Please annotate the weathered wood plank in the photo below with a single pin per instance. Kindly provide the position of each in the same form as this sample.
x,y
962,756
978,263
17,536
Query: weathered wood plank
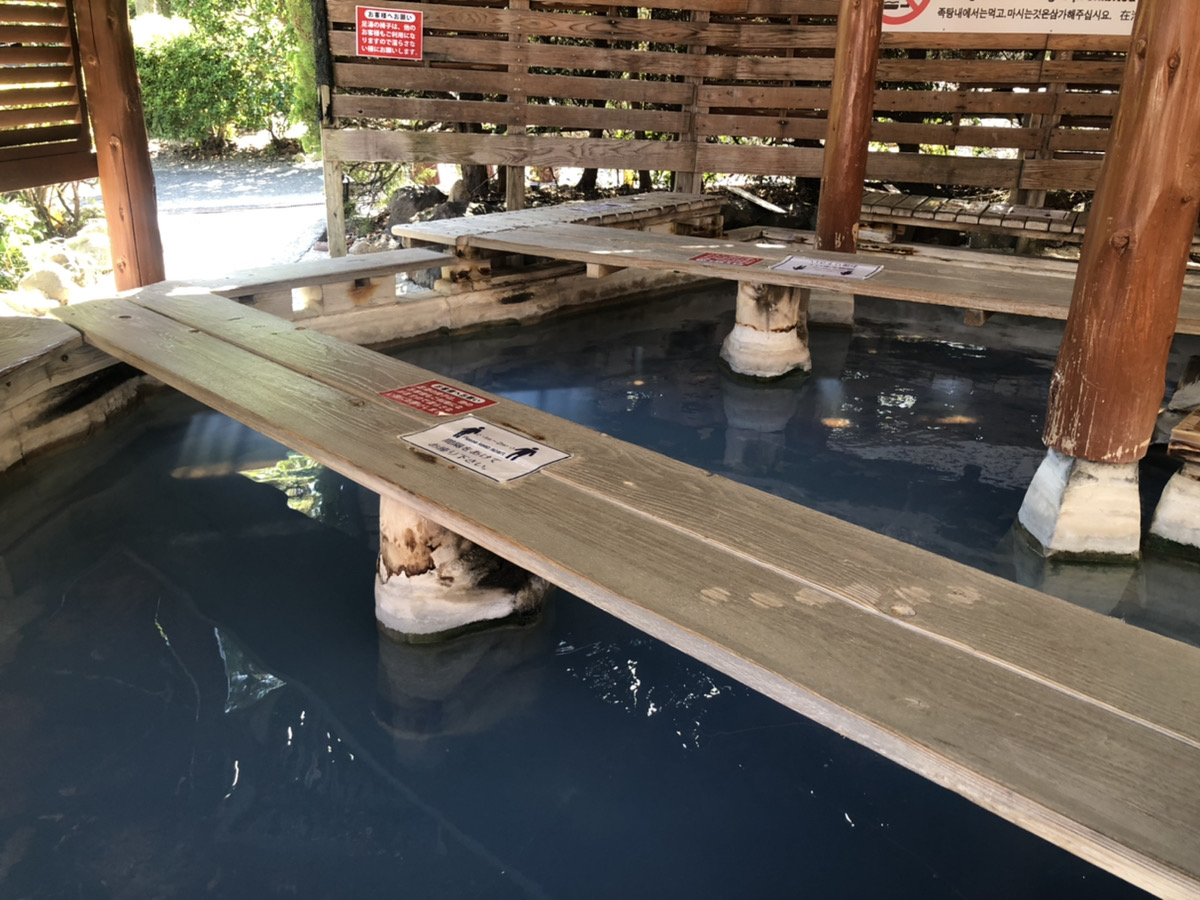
x,y
38,355
1112,786
1185,438
912,280
322,271
637,208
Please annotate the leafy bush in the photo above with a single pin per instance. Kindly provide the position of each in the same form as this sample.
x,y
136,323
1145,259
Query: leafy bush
x,y
199,85
18,230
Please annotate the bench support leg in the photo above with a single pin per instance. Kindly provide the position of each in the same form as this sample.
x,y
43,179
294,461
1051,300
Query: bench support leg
x,y
831,308
770,334
432,584
1177,517
1077,508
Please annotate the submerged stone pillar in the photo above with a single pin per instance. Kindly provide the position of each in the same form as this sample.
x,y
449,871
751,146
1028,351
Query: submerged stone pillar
x,y
1177,516
1108,381
432,584
770,333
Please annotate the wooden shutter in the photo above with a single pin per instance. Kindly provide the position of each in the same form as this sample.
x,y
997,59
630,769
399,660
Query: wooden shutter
x,y
44,137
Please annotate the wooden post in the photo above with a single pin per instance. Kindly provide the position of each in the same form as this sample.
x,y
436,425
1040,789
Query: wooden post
x,y
122,148
1108,382
514,182
851,109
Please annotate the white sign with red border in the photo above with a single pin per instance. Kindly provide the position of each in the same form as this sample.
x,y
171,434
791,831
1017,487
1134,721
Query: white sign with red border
x,y
1011,16
388,33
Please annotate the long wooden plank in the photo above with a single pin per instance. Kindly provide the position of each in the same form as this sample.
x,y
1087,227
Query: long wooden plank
x,y
640,208
912,280
1021,629
323,271
504,113
1057,763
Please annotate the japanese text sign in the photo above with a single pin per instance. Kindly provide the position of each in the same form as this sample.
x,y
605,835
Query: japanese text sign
x,y
389,33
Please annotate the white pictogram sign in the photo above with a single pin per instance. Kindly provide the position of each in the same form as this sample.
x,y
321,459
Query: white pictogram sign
x,y
491,451
825,268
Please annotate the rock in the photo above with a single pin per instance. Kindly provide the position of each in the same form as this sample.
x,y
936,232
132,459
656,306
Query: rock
x,y
371,245
51,280
405,203
27,303
448,210
93,251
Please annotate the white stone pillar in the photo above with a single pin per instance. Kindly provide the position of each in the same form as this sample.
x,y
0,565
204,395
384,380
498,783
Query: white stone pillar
x,y
432,584
770,334
1086,509
832,308
1177,516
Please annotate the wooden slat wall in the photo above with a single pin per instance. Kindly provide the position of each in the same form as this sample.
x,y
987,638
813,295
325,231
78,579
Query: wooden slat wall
x,y
721,86
44,134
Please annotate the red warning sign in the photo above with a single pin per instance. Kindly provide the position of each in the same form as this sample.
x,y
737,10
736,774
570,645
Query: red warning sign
x,y
388,33
726,259
438,398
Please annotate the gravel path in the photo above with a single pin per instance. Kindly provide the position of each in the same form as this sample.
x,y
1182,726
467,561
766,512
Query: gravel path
x,y
222,215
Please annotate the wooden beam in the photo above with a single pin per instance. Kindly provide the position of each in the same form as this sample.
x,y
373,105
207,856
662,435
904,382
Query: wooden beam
x,y
851,112
1108,381
123,152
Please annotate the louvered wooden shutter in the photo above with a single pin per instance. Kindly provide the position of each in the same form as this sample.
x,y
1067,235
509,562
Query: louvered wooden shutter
x,y
44,137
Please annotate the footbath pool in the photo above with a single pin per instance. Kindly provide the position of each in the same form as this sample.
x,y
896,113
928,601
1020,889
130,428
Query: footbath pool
x,y
197,701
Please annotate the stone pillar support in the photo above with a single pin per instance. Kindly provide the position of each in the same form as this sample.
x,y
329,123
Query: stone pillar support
x,y
1177,516
432,584
1081,509
770,334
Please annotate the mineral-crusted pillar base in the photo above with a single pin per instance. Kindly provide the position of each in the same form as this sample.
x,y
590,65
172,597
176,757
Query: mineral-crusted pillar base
x,y
770,334
1177,516
1076,508
432,584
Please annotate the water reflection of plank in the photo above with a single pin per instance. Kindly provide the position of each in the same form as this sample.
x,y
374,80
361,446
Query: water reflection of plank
x,y
1072,725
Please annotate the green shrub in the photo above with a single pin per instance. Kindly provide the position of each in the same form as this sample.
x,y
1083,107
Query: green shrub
x,y
199,87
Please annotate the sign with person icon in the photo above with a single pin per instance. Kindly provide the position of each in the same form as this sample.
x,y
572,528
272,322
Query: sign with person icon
x,y
487,449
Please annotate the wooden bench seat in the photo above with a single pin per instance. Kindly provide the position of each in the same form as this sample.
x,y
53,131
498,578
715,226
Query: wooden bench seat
x,y
989,284
892,208
655,211
1077,727
324,286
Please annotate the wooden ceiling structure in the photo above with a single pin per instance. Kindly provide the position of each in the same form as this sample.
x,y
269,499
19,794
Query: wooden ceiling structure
x,y
67,73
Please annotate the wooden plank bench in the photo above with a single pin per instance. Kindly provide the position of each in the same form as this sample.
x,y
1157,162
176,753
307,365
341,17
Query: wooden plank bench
x,y
892,208
1077,727
987,284
319,287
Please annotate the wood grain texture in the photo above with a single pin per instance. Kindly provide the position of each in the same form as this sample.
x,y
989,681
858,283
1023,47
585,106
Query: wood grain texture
x,y
123,154
1185,438
322,271
1102,770
40,355
1107,385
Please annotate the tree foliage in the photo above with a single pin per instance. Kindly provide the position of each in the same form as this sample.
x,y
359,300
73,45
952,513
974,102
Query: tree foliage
x,y
236,68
